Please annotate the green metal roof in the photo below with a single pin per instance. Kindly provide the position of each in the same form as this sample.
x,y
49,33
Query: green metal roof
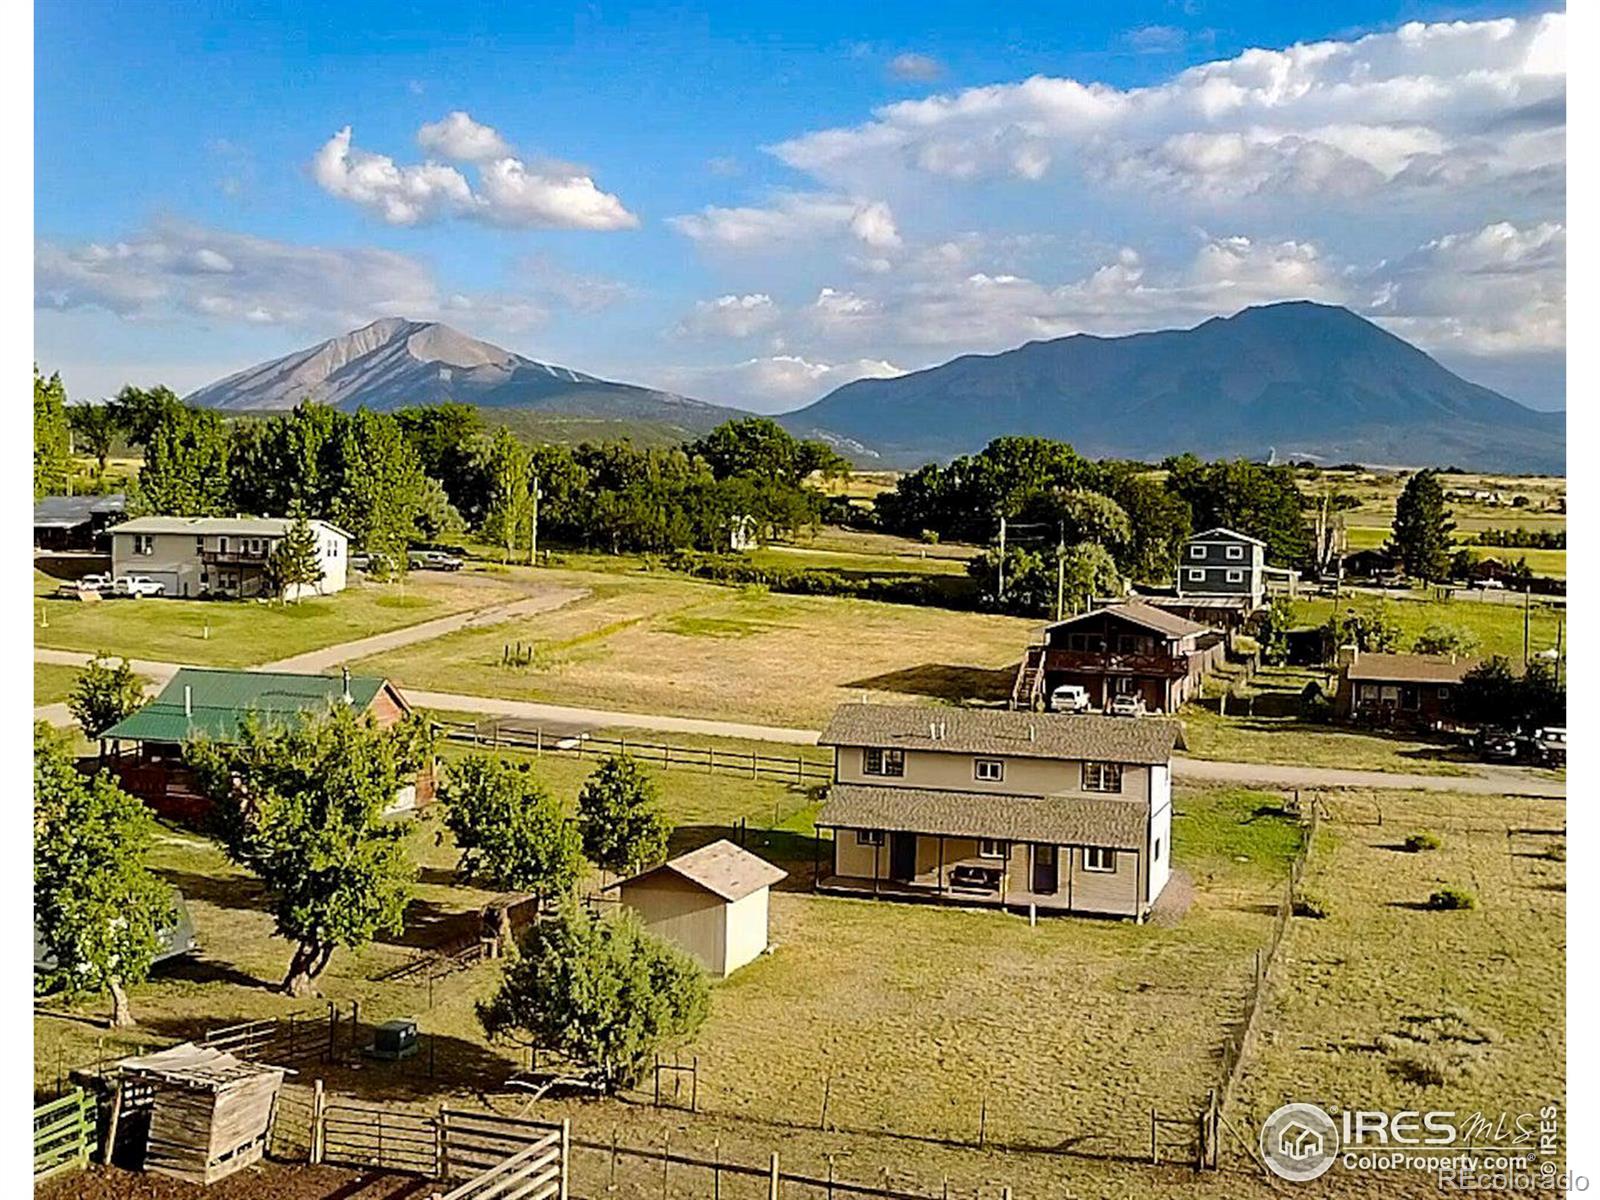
x,y
219,700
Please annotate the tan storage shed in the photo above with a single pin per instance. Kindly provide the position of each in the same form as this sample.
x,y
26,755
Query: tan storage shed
x,y
210,1113
712,902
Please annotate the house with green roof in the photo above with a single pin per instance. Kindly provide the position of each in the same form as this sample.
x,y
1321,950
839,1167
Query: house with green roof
x,y
146,748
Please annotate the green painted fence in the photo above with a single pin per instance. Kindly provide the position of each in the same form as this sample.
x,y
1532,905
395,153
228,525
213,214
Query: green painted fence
x,y
63,1133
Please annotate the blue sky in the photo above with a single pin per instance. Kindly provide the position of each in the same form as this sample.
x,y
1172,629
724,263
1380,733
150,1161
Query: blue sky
x,y
754,203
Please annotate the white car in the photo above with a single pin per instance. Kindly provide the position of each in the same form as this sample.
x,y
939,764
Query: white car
x,y
137,586
95,583
1069,698
1128,704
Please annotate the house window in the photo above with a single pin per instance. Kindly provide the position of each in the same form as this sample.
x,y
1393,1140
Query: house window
x,y
1102,777
989,770
1444,693
1197,574
144,543
1197,551
222,545
1098,858
1235,552
1235,576
869,837
1155,855
991,848
200,545
883,762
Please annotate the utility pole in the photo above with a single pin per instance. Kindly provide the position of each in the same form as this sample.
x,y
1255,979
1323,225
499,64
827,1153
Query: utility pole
x,y
1000,587
1061,576
534,495
1527,607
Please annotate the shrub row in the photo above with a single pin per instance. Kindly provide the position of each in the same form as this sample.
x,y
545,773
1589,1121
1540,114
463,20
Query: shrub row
x,y
945,592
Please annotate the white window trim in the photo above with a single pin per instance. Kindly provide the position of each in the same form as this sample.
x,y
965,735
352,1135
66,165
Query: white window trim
x,y
1235,552
869,837
1001,850
1104,769
1197,550
1103,855
1197,574
884,754
978,765
1235,576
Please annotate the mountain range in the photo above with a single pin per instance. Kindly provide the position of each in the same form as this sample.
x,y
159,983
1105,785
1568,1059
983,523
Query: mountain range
x,y
1295,380
395,363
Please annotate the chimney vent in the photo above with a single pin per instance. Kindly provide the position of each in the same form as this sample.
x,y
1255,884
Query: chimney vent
x,y
1033,732
188,701
344,673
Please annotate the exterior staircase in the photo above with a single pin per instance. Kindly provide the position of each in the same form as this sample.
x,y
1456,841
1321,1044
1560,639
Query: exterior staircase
x,y
1027,694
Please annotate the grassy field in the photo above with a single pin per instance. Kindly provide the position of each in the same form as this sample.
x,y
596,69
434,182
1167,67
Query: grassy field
x,y
1498,626
919,1021
52,684
653,642
236,633
1359,989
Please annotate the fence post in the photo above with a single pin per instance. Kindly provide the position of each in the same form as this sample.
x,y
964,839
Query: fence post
x,y
566,1152
666,1149
111,1128
827,1088
1155,1153
318,1117
444,1142
333,1025
772,1185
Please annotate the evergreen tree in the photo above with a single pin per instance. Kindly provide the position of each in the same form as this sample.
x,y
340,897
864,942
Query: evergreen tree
x,y
602,991
103,694
52,436
97,908
301,808
295,565
619,810
512,833
1420,536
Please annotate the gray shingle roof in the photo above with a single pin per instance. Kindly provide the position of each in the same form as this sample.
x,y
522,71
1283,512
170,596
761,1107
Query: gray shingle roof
x,y
1143,740
1226,533
1060,820
721,868
225,526
1140,613
68,512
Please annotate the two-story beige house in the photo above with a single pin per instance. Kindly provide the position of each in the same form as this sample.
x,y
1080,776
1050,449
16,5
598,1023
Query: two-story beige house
x,y
221,556
1015,809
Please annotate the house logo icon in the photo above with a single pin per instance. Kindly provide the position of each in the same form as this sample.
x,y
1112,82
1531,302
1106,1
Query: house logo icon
x,y
1299,1142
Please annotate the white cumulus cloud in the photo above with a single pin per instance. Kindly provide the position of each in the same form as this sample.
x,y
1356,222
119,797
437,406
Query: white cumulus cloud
x,y
792,217
458,136
775,383
731,316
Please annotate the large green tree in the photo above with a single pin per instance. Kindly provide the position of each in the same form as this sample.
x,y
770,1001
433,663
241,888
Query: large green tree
x,y
104,693
301,807
1262,501
1420,534
52,436
511,831
510,506
98,909
94,431
381,488
295,566
139,411
602,991
619,810
185,470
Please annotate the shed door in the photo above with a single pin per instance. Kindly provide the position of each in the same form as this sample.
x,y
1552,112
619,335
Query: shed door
x,y
1045,875
902,856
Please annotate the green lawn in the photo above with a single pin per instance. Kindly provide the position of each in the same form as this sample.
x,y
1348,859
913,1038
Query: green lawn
x,y
236,633
51,683
1497,625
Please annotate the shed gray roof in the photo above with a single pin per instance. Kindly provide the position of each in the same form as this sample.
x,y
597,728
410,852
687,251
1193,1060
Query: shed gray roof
x,y
1143,740
1140,613
1063,820
226,526
1225,532
721,868
68,512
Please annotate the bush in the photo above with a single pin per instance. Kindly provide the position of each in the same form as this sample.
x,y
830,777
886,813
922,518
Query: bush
x,y
1449,899
1424,839
930,537
1424,1065
1310,904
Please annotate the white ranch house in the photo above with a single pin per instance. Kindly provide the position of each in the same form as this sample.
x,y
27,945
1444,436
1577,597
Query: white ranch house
x,y
221,556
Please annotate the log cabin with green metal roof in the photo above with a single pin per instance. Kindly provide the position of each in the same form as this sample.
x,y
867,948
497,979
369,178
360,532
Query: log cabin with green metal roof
x,y
145,749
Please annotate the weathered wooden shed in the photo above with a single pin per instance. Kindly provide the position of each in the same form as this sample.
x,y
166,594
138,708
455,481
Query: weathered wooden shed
x,y
210,1114
711,901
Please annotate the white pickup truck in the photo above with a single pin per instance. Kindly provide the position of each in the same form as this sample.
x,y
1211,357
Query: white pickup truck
x,y
137,586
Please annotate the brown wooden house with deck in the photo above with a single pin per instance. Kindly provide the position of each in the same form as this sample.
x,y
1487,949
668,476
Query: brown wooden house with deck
x,y
1007,809
1126,648
1398,689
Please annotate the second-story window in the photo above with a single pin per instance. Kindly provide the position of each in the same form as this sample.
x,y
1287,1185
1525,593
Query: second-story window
x,y
1235,576
144,543
989,770
1102,777
883,762
1197,551
1236,552
1197,575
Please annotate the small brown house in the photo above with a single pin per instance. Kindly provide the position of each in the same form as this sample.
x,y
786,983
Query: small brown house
x,y
1398,689
1128,648
712,902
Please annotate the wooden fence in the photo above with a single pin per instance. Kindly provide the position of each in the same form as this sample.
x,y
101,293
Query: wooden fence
x,y
63,1132
798,769
295,1038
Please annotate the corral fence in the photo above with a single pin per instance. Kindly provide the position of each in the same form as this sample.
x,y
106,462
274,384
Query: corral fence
x,y
799,769
63,1134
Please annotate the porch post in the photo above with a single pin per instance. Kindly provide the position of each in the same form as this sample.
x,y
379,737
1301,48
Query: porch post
x,y
877,849
941,864
816,857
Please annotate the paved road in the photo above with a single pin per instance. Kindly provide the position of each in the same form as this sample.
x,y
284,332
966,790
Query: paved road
x,y
1490,781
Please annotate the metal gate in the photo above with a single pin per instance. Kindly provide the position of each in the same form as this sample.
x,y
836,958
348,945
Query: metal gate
x,y
381,1139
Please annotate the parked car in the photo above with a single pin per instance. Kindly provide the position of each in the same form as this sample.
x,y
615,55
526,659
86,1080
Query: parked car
x,y
1129,704
172,941
137,586
1550,746
1497,745
433,560
95,583
973,878
1070,698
